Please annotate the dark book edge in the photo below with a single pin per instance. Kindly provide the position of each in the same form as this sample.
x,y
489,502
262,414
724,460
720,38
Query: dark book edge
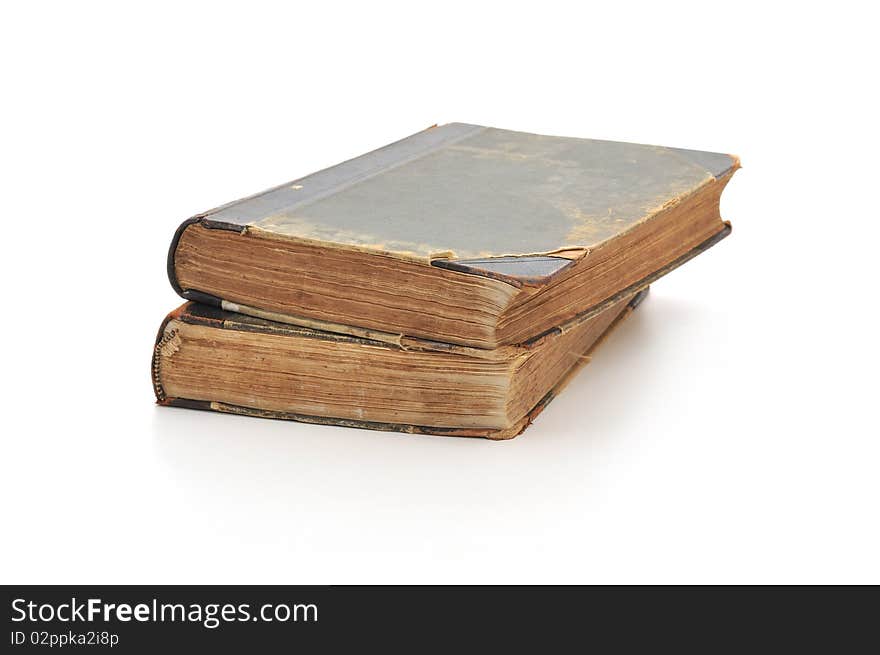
x,y
529,269
495,435
193,294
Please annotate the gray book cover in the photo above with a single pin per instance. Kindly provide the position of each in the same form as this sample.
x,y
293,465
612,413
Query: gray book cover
x,y
480,195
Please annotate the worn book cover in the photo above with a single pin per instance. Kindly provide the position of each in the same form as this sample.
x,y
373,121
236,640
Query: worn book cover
x,y
461,234
207,358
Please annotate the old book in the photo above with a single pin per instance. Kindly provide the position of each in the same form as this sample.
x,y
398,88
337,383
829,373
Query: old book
x,y
459,234
207,358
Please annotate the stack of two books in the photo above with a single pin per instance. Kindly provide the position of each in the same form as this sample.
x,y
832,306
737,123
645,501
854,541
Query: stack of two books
x,y
449,283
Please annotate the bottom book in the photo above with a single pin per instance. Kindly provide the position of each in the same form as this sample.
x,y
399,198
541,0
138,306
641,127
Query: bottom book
x,y
207,358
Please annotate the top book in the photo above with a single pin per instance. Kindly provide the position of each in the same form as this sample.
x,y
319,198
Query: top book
x,y
459,234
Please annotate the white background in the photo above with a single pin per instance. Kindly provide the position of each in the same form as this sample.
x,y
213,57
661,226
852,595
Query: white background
x,y
726,433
